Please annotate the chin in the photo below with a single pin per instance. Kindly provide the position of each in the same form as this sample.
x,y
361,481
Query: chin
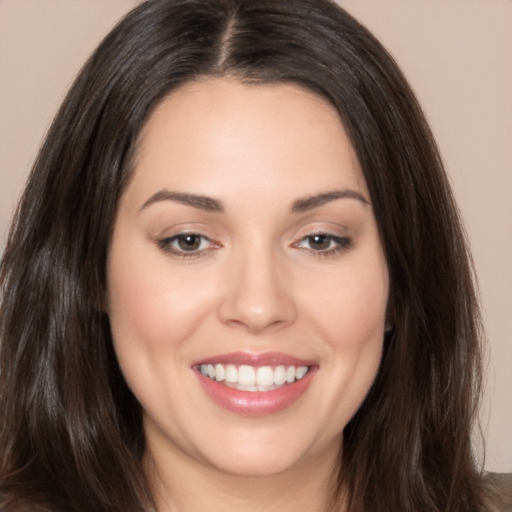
x,y
270,453
257,465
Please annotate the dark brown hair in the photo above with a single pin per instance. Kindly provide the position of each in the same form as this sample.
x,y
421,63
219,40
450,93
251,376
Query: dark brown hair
x,y
71,436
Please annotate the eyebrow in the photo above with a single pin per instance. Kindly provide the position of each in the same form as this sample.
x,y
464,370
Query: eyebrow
x,y
205,203
311,202
210,204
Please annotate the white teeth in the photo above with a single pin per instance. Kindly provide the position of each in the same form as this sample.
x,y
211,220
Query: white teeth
x,y
231,374
246,375
279,375
242,387
250,378
265,376
300,372
220,373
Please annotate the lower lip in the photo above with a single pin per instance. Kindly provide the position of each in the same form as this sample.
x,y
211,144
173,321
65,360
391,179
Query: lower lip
x,y
255,403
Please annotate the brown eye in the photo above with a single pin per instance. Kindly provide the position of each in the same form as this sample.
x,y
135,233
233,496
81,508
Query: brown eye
x,y
323,243
319,242
186,244
189,242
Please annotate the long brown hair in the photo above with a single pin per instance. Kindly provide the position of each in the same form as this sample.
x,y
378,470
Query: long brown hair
x,y
71,435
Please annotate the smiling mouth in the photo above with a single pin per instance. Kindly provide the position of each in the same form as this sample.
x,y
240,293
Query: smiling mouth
x,y
253,378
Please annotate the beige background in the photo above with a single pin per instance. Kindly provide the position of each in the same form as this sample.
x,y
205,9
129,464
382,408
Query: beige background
x,y
457,55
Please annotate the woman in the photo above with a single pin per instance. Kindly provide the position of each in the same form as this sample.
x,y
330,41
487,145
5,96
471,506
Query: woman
x,y
210,296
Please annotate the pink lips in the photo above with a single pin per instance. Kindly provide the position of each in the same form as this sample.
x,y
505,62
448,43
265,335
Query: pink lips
x,y
255,403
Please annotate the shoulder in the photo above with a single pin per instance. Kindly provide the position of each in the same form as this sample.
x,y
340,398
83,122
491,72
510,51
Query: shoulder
x,y
498,492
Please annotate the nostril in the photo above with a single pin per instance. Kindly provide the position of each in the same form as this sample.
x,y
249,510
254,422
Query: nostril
x,y
257,318
255,298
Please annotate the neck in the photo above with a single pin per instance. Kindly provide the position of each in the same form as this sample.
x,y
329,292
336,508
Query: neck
x,y
182,484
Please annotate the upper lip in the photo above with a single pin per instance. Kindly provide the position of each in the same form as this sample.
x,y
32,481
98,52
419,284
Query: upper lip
x,y
254,359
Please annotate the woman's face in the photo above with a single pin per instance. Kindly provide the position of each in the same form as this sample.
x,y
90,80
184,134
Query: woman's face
x,y
245,248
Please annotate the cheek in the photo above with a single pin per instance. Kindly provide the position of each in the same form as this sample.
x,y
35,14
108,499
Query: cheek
x,y
154,312
349,310
353,327
351,305
151,317
136,308
151,302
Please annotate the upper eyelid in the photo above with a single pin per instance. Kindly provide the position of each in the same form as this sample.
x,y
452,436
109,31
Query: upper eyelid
x,y
182,230
185,233
339,232
335,238
312,231
166,243
321,226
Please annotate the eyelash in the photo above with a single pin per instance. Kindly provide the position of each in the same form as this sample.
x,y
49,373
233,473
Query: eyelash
x,y
340,244
166,244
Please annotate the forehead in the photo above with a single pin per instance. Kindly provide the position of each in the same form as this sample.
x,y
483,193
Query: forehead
x,y
220,131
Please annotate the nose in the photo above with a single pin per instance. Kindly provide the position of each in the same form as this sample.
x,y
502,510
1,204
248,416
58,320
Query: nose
x,y
258,294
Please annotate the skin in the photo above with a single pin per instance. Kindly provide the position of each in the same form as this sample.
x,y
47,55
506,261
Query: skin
x,y
256,283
